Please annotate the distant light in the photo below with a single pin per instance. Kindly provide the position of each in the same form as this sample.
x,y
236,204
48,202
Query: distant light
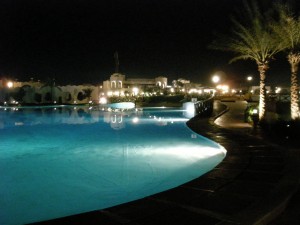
x,y
215,79
103,100
10,84
75,102
224,88
54,102
249,78
254,111
135,90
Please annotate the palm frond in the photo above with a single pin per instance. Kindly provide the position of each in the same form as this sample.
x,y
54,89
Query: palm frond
x,y
252,40
287,27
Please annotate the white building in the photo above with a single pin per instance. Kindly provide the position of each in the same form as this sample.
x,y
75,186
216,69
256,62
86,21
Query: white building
x,y
118,85
40,93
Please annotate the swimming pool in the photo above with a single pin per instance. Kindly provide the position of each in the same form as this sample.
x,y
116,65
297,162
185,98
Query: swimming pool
x,y
56,162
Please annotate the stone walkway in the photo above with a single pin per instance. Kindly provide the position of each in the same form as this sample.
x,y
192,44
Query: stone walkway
x,y
252,185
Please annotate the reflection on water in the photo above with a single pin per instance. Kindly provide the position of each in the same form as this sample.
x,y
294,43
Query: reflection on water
x,y
84,115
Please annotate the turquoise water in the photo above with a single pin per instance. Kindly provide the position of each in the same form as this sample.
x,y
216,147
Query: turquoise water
x,y
56,162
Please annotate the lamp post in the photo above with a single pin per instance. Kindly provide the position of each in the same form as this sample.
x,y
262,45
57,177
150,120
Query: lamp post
x,y
249,79
215,79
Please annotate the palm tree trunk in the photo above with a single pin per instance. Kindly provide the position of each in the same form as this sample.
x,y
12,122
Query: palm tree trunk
x,y
294,60
262,68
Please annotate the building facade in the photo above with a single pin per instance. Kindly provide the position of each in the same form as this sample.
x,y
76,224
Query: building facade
x,y
118,85
35,92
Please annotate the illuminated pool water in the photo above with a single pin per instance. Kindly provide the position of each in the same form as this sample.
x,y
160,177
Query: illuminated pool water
x,y
56,162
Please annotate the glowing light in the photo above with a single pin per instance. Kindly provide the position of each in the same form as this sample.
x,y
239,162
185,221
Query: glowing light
x,y
103,100
135,90
75,102
10,84
109,93
192,91
135,120
249,78
215,79
254,111
172,90
277,90
223,88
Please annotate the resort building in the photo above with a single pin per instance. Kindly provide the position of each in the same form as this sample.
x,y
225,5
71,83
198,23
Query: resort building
x,y
118,85
35,92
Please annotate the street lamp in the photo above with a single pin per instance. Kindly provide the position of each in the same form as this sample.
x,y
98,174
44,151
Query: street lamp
x,y
249,78
215,79
10,84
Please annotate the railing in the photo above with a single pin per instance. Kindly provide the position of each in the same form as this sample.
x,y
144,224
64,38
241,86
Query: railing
x,y
204,107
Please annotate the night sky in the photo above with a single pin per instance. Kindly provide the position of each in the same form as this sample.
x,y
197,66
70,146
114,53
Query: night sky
x,y
74,41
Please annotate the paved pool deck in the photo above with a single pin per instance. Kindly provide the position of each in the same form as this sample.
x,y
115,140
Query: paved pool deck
x,y
256,182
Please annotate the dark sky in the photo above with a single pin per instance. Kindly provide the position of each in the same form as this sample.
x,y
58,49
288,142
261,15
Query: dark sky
x,y
75,40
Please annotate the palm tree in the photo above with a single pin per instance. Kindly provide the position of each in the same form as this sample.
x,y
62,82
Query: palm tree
x,y
254,41
287,30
